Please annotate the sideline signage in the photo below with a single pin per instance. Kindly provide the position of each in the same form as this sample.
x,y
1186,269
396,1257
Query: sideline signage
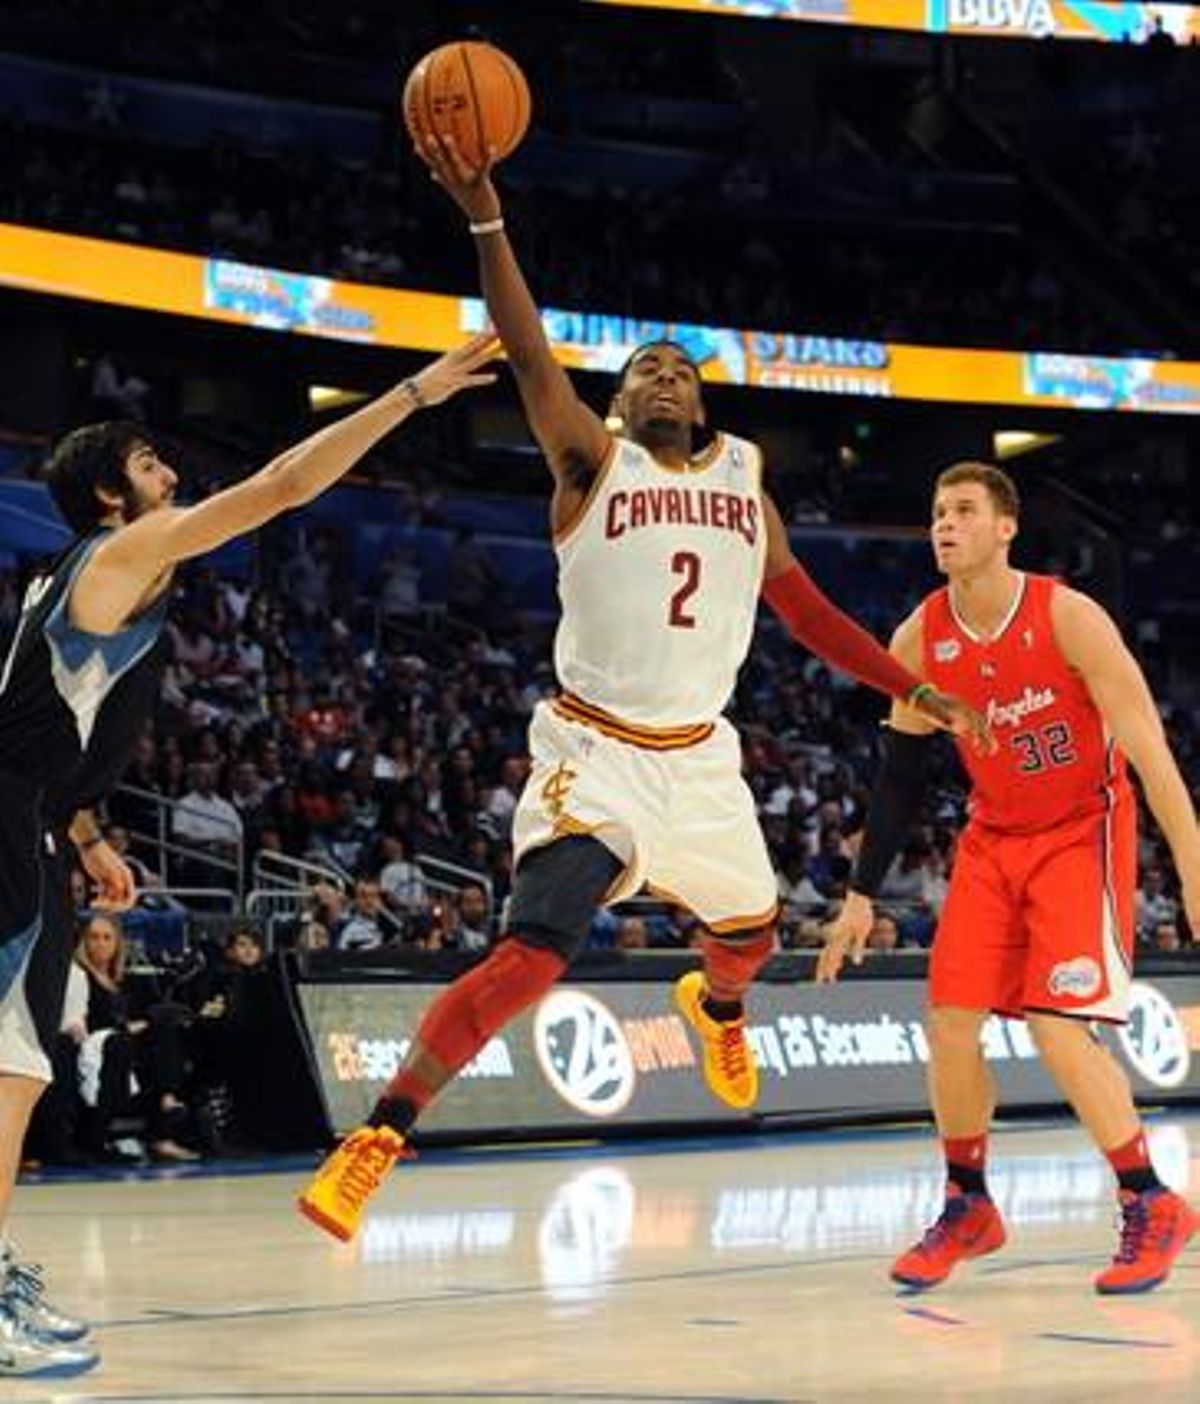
x,y
608,1053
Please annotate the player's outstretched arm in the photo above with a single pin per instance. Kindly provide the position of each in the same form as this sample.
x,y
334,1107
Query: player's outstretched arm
x,y
571,435
1093,645
894,799
815,621
128,562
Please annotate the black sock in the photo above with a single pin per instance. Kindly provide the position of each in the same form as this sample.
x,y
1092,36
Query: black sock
x,y
1139,1180
965,1179
723,1010
397,1112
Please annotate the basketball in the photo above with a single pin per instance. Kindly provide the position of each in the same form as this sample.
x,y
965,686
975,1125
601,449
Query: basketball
x,y
473,92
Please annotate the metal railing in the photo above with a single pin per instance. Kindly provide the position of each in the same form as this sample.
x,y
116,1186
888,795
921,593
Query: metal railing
x,y
449,879
166,846
281,872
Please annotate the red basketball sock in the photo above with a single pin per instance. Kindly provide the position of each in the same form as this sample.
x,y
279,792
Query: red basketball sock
x,y
966,1157
467,1013
730,965
1131,1165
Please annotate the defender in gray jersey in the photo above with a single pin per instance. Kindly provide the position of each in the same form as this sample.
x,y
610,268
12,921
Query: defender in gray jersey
x,y
79,680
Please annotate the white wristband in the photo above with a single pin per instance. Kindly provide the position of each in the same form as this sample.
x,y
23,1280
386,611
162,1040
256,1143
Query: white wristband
x,y
488,226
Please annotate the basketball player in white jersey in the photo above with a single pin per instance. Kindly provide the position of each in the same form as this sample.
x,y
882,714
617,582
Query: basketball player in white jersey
x,y
636,782
80,678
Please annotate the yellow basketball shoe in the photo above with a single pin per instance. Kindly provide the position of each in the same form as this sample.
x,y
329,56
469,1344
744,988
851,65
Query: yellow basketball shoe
x,y
729,1067
338,1194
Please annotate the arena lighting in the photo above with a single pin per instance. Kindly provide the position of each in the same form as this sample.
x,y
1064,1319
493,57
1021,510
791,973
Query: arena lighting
x,y
272,299
1011,443
1103,21
330,397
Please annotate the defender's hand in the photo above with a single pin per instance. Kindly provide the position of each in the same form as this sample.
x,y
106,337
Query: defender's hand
x,y
952,714
116,890
457,370
846,935
470,187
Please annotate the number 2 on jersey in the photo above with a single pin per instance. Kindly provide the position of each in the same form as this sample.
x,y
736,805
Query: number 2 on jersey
x,y
687,564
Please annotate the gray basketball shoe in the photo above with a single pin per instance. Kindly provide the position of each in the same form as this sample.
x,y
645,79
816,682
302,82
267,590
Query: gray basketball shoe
x,y
22,1288
25,1352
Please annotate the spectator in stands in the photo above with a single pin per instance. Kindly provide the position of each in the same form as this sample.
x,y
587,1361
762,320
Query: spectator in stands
x,y
682,930
206,819
304,581
904,896
884,936
343,840
829,868
475,592
632,935
401,880
468,928
246,791
502,799
400,587
364,927
797,890
222,996
1166,937
128,1039
365,758
1153,905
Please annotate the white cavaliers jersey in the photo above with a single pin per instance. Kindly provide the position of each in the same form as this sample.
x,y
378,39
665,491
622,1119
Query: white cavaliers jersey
x,y
659,579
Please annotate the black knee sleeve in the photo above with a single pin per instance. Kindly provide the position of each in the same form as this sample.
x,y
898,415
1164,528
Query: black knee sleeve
x,y
557,890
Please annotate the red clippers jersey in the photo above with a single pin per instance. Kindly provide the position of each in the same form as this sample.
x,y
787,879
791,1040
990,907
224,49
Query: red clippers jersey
x,y
1056,761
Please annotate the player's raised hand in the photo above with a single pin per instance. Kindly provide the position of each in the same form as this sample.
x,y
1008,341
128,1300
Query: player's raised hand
x,y
846,936
460,369
470,187
952,714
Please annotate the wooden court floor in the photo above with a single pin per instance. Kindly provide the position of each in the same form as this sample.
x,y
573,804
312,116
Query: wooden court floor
x,y
752,1270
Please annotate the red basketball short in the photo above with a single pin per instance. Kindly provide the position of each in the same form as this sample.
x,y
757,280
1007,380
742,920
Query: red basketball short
x,y
1041,921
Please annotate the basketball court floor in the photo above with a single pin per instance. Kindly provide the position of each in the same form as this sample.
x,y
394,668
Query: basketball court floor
x,y
746,1270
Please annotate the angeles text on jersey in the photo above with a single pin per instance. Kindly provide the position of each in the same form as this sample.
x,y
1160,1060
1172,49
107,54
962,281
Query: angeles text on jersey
x,y
1033,699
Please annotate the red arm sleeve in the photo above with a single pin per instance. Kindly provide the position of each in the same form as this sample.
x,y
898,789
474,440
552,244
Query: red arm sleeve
x,y
815,621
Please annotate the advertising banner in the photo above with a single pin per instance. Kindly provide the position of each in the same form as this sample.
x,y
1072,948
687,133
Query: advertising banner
x,y
274,300
599,1054
1104,21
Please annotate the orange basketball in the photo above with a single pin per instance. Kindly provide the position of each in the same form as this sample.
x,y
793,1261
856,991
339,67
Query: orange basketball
x,y
473,92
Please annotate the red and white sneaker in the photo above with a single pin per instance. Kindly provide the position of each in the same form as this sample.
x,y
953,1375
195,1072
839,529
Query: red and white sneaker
x,y
968,1227
1155,1228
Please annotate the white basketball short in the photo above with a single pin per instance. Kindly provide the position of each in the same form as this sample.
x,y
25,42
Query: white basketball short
x,y
682,820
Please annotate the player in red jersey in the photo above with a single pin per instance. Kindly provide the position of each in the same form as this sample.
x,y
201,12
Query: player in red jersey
x,y
1038,921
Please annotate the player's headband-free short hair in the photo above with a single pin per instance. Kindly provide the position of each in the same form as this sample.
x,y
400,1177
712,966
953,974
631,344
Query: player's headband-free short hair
x,y
88,459
995,481
639,351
